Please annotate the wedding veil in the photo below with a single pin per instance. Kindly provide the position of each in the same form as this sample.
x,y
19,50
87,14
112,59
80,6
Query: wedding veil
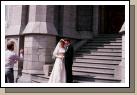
x,y
56,50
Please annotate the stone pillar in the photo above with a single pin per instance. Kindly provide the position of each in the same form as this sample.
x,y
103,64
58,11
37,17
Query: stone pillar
x,y
40,40
14,22
14,26
84,21
102,19
96,20
69,22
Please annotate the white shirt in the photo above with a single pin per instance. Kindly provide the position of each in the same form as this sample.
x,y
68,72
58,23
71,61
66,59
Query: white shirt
x,y
11,58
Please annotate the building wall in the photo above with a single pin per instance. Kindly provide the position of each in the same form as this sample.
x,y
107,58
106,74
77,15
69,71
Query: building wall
x,y
37,27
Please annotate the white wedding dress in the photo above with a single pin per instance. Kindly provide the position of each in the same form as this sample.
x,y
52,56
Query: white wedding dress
x,y
58,74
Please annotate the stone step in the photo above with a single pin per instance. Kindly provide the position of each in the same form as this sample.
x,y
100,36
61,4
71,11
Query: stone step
x,y
106,39
77,79
113,39
104,47
104,44
98,79
106,79
40,78
38,81
90,74
93,70
109,36
92,65
97,54
95,61
43,76
100,41
99,50
99,57
35,81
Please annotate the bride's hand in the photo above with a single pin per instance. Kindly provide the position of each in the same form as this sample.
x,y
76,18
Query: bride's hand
x,y
61,57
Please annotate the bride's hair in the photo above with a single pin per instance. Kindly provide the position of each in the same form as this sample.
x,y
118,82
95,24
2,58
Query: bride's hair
x,y
68,40
62,43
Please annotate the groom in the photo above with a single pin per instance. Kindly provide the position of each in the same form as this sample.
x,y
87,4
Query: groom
x,y
68,60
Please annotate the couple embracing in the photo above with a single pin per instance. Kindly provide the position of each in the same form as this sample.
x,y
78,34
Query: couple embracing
x,y
62,69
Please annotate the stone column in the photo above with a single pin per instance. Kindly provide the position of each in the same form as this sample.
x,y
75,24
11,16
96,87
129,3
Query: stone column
x,y
14,26
69,22
84,21
96,19
15,22
40,40
102,19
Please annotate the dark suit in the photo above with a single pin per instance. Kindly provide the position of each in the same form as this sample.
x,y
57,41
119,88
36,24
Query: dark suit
x,y
69,63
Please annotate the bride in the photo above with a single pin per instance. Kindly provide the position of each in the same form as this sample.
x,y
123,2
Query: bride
x,y
58,74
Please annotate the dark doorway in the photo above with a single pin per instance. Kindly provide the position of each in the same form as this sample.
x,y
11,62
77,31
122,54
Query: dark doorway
x,y
112,18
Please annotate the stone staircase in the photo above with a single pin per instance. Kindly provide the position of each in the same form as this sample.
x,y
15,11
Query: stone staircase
x,y
98,60
39,78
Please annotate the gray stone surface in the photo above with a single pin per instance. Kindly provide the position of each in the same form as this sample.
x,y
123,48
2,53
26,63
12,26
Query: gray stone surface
x,y
99,65
37,26
41,20
69,22
95,20
25,78
39,48
122,65
15,24
37,53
